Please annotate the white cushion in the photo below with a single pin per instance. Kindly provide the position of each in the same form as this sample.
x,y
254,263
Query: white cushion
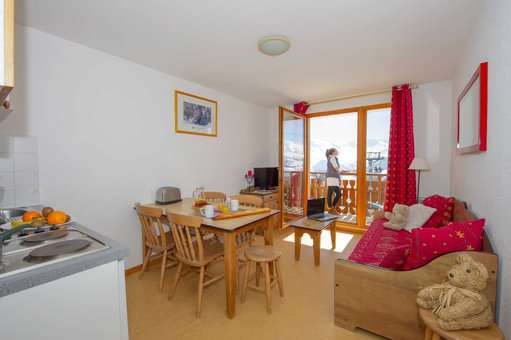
x,y
418,214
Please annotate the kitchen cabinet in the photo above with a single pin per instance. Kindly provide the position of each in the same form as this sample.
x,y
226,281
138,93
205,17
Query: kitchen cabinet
x,y
6,49
87,305
78,294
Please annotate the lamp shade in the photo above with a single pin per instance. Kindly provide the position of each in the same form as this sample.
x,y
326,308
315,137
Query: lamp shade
x,y
419,164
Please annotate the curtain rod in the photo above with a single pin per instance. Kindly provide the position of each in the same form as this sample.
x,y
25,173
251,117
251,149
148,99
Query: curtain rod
x,y
357,95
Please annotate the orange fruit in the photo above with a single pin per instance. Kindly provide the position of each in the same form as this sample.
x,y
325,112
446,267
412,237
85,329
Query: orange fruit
x,y
57,217
30,215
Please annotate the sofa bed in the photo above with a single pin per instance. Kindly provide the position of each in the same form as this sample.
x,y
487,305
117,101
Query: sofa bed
x,y
379,295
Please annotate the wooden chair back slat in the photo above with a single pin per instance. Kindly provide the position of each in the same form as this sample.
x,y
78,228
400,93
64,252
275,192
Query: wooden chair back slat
x,y
252,201
148,211
152,226
181,239
188,239
190,244
213,196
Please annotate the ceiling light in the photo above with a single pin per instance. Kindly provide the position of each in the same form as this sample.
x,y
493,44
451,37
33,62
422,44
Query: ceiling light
x,y
273,45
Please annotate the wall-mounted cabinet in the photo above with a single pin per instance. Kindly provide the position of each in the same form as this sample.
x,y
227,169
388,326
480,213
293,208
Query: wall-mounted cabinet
x,y
6,48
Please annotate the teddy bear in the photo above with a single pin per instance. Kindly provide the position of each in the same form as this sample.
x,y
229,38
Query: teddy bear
x,y
458,303
397,218
378,214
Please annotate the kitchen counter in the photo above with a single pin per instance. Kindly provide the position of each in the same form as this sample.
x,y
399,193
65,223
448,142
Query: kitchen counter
x,y
34,277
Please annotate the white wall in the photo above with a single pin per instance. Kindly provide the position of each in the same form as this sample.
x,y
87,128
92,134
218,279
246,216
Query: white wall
x,y
484,180
19,176
432,105
106,134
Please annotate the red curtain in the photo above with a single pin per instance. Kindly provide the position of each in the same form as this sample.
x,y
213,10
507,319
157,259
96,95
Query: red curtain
x,y
301,107
400,180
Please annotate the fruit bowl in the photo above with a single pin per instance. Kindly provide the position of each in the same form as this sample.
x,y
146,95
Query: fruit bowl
x,y
40,221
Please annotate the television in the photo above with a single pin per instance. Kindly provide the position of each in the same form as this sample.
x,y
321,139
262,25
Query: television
x,y
266,178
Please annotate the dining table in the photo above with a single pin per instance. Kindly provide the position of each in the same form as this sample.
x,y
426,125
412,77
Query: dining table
x,y
228,229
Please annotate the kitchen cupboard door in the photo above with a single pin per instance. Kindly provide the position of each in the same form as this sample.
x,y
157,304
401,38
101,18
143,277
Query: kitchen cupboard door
x,y
6,48
89,305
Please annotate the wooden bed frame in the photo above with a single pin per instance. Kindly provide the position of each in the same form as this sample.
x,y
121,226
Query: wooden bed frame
x,y
382,301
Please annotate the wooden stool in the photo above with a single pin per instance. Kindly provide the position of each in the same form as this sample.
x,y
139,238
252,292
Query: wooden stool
x,y
434,332
263,256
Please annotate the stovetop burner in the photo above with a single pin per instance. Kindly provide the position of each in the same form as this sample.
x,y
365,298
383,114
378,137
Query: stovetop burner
x,y
59,248
31,259
49,247
38,238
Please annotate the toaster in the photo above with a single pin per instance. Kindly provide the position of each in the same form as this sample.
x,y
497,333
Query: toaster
x,y
168,195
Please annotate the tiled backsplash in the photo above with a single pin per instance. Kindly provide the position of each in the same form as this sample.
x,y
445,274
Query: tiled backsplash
x,y
19,175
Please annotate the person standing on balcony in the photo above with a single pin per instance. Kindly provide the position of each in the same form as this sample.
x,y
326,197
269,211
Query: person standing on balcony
x,y
333,178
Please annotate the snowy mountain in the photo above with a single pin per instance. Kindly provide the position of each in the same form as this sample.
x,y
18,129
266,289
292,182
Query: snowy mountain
x,y
347,154
293,160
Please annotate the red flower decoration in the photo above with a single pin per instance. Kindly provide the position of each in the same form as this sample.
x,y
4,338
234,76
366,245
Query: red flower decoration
x,y
250,173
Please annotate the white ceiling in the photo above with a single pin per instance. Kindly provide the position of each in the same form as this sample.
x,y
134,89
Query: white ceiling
x,y
337,47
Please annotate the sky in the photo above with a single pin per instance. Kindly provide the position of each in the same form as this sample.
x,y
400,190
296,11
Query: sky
x,y
340,131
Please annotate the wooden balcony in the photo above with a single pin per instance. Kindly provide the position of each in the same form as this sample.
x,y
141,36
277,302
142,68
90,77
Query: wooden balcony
x,y
375,185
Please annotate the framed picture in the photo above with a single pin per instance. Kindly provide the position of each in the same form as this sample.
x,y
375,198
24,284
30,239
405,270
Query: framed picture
x,y
473,113
195,115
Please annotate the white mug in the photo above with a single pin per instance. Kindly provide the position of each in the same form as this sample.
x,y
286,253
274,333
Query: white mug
x,y
207,211
235,205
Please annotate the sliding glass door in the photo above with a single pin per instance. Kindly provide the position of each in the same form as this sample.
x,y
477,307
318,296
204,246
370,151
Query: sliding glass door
x,y
340,132
361,136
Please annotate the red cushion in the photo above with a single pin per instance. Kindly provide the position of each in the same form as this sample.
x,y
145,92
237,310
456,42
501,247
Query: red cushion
x,y
429,243
444,210
396,258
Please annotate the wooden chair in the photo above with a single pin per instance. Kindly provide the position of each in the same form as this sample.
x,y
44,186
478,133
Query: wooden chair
x,y
248,201
263,255
252,201
214,197
157,241
246,239
193,251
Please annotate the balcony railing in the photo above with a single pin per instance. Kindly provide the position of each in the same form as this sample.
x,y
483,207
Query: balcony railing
x,y
376,184
293,193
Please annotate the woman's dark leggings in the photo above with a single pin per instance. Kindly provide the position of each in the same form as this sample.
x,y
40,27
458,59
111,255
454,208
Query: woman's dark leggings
x,y
331,191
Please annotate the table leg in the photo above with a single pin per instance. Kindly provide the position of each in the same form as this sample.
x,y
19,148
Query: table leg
x,y
428,334
298,243
268,234
268,231
332,235
316,243
230,261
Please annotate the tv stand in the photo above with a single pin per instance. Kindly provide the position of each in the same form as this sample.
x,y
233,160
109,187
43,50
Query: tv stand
x,y
270,197
264,191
